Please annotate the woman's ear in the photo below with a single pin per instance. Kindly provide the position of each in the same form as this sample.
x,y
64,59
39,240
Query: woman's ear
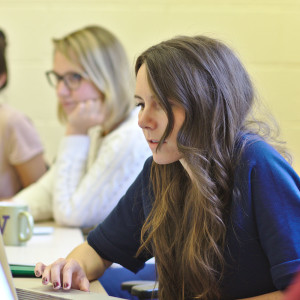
x,y
3,78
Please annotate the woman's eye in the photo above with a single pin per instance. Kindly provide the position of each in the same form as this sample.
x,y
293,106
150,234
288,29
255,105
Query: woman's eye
x,y
74,77
141,105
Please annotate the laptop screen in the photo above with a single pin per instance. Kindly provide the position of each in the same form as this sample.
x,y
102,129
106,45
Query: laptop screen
x,y
6,282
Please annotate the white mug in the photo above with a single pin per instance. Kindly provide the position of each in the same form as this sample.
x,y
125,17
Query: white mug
x,y
16,223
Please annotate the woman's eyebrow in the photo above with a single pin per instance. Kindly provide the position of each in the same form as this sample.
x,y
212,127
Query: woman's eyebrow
x,y
138,97
151,97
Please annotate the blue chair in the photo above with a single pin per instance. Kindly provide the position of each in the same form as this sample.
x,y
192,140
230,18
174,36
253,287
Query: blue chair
x,y
113,278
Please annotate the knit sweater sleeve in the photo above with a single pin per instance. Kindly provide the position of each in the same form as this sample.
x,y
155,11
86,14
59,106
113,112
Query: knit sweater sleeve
x,y
84,195
38,197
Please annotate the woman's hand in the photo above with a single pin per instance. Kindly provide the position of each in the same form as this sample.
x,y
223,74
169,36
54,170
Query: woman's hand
x,y
82,265
66,273
85,115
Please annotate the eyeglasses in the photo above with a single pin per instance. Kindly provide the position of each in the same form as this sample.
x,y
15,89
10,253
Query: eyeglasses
x,y
72,80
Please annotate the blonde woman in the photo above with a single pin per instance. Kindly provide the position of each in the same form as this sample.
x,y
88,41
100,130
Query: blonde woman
x,y
103,149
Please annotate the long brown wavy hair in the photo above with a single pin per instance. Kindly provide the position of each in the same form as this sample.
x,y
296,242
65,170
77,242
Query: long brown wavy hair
x,y
186,227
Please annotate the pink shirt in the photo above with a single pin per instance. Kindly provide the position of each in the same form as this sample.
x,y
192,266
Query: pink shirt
x,y
19,142
293,291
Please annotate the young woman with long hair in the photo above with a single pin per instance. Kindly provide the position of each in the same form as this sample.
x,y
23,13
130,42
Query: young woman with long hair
x,y
217,206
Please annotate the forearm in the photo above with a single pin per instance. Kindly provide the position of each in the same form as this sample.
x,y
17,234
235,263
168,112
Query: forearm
x,y
278,295
70,170
93,265
31,170
38,197
101,185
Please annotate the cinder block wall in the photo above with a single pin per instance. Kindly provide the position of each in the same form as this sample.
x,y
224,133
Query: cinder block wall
x,y
263,32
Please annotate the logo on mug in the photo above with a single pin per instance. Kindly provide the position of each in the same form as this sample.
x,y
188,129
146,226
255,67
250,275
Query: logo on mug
x,y
3,224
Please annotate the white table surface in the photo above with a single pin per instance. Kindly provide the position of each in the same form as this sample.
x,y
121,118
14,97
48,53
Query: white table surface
x,y
45,248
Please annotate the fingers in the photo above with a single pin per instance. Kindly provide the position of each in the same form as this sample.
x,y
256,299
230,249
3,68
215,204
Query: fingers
x,y
84,285
46,278
87,114
53,273
63,273
39,269
73,271
89,107
67,276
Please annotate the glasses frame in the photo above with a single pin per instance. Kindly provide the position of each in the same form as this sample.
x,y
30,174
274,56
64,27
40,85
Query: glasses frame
x,y
64,79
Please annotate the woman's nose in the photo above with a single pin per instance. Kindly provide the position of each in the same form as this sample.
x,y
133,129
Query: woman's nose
x,y
61,88
146,119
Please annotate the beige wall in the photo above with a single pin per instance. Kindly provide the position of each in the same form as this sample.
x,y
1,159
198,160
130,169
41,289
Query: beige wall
x,y
265,33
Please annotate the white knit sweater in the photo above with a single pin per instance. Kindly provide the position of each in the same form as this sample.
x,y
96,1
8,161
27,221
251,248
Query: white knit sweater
x,y
89,177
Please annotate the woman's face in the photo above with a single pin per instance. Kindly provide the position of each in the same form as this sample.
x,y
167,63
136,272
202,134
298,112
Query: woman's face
x,y
69,98
153,120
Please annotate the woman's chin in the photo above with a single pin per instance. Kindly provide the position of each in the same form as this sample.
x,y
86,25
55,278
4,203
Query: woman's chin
x,y
161,160
68,110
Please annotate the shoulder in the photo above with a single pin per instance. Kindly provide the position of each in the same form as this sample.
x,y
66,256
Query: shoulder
x,y
259,153
15,125
265,169
11,112
14,119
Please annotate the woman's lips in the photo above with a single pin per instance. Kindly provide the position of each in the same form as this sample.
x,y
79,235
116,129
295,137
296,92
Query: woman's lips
x,y
65,104
153,143
68,106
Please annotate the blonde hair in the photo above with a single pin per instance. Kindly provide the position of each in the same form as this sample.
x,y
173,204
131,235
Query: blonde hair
x,y
103,59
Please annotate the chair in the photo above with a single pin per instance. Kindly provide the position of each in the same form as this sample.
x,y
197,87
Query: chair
x,y
143,289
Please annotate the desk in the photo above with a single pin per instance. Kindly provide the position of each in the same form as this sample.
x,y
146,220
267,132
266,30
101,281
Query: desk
x,y
47,248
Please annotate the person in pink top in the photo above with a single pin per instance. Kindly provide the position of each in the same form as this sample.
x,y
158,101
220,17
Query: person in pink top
x,y
21,150
293,291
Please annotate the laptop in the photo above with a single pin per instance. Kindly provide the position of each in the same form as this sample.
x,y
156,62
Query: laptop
x,y
32,288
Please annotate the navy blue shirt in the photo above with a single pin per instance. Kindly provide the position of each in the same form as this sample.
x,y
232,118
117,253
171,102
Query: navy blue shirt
x,y
263,236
